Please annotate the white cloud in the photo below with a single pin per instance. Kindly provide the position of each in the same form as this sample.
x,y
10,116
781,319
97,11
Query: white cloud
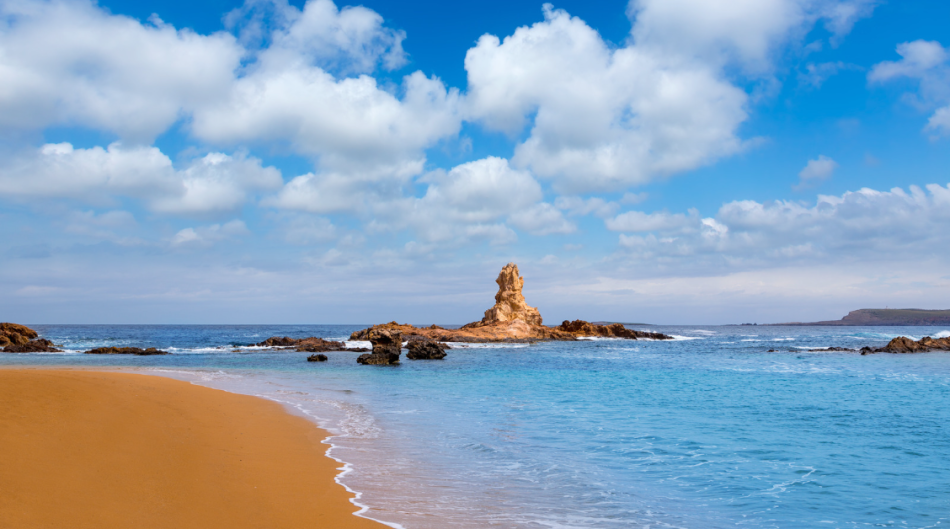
x,y
542,219
578,206
860,225
68,62
606,119
348,40
291,94
215,183
208,235
638,221
815,75
820,168
929,63
917,59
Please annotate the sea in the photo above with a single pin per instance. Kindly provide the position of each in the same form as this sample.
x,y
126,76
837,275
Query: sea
x,y
725,426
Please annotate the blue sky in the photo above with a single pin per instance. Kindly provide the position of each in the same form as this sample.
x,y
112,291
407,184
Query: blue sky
x,y
678,161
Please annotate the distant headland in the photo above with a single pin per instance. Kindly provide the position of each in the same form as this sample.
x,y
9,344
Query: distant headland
x,y
886,317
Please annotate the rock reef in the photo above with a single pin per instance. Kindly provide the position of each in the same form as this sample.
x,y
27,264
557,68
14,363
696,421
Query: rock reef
x,y
903,344
306,345
510,319
16,338
387,346
425,350
126,351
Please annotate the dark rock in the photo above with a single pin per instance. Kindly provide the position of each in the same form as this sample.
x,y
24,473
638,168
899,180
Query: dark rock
x,y
378,359
303,345
614,330
425,350
317,358
34,346
386,341
126,351
277,341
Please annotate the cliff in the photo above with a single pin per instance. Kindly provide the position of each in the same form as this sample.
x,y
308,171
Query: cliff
x,y
887,317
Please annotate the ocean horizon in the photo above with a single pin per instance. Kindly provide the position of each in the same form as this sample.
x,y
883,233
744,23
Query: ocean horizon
x,y
724,426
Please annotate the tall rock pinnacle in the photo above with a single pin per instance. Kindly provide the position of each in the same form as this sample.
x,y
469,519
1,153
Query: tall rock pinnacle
x,y
509,302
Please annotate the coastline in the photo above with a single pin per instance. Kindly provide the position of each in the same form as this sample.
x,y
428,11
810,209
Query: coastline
x,y
89,448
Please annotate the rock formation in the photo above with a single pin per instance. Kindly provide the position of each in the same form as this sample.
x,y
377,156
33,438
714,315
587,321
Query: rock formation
x,y
509,301
582,328
317,358
33,346
509,320
16,338
305,345
425,350
903,344
126,351
387,346
15,334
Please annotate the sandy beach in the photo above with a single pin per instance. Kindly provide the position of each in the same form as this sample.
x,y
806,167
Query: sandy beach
x,y
104,449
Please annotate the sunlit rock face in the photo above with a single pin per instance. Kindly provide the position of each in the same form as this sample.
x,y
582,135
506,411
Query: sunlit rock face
x,y
510,304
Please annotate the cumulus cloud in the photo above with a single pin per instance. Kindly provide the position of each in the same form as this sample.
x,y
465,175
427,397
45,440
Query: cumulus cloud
x,y
68,62
295,92
604,119
214,183
815,171
927,62
345,41
858,225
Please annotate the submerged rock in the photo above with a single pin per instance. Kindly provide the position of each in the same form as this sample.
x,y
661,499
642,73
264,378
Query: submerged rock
x,y
317,358
126,351
425,350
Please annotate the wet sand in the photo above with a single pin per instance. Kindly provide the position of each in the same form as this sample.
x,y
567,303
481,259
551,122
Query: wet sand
x,y
117,450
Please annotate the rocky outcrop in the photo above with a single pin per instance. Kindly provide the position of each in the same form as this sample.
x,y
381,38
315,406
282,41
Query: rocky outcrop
x,y
387,346
126,351
317,358
509,320
15,334
511,332
425,350
903,344
582,328
303,345
33,346
510,304
16,338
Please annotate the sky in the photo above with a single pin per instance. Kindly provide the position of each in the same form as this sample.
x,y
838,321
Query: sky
x,y
651,161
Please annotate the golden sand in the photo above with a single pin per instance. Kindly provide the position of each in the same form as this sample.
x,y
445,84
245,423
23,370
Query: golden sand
x,y
117,450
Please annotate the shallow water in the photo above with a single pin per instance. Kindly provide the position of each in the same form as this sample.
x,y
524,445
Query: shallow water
x,y
707,431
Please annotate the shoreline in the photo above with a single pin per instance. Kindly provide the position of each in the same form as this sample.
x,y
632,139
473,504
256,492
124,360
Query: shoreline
x,y
104,443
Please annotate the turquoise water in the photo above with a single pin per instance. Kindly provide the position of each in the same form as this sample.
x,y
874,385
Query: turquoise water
x,y
707,431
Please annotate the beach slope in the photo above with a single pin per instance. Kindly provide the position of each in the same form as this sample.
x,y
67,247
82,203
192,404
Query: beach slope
x,y
108,450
